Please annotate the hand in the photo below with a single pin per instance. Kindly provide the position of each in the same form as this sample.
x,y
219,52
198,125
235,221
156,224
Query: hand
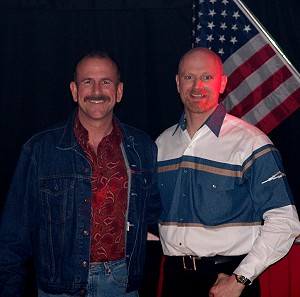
x,y
226,286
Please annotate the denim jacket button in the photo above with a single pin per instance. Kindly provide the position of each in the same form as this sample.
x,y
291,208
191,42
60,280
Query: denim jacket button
x,y
84,263
86,233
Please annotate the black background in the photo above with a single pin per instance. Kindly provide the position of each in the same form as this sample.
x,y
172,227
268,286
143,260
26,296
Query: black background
x,y
41,40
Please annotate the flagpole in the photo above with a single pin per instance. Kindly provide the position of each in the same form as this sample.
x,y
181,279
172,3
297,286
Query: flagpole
x,y
259,26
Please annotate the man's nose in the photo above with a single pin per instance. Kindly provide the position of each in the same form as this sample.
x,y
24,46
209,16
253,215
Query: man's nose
x,y
97,89
199,84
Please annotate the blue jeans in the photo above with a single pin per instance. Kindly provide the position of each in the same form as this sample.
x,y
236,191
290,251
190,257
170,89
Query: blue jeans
x,y
107,279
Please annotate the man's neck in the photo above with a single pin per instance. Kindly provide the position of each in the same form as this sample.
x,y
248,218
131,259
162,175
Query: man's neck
x,y
194,121
97,130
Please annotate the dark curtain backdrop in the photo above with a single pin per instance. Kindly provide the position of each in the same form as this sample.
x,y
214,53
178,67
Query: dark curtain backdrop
x,y
41,40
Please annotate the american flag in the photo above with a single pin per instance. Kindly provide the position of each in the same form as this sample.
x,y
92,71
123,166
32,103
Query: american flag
x,y
263,86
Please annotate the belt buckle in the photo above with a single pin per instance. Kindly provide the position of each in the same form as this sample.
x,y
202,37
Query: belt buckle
x,y
185,266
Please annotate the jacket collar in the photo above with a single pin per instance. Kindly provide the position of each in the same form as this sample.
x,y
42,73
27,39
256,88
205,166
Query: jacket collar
x,y
68,139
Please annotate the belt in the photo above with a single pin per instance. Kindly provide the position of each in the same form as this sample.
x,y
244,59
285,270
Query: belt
x,y
194,262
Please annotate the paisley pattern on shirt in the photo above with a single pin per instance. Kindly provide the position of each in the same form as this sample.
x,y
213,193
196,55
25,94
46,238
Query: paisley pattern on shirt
x,y
109,194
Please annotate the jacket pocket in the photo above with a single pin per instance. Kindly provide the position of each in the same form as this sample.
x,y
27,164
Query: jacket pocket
x,y
57,197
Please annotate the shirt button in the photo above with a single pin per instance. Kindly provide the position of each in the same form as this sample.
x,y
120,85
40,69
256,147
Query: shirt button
x,y
86,233
82,292
84,264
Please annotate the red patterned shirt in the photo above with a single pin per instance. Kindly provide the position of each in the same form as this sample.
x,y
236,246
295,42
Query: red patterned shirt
x,y
109,194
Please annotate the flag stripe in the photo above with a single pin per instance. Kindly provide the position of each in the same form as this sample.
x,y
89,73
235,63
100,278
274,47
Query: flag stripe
x,y
277,97
252,82
261,92
248,67
280,113
244,53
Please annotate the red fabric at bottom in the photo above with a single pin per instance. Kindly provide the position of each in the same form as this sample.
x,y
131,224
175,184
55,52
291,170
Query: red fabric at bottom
x,y
282,279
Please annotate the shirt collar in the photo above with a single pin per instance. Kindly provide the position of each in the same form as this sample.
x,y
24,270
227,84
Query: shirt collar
x,y
82,134
214,121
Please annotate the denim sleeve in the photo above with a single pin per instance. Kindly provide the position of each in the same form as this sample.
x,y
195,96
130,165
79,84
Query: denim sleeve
x,y
154,206
15,242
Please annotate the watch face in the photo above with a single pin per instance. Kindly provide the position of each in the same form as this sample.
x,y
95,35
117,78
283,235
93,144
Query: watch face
x,y
242,279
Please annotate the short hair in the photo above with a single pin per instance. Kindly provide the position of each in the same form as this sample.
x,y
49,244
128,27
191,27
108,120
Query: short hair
x,y
99,55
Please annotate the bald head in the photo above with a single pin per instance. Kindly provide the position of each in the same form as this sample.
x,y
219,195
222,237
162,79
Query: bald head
x,y
201,53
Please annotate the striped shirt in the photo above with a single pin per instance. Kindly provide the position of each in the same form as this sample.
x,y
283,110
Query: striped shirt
x,y
224,192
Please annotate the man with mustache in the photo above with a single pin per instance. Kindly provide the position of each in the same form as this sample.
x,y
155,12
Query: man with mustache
x,y
228,212
82,197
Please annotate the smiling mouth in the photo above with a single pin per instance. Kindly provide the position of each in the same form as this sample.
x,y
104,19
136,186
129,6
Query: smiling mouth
x,y
96,99
198,96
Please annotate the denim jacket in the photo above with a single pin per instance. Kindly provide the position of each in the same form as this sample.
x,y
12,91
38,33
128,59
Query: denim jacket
x,y
48,211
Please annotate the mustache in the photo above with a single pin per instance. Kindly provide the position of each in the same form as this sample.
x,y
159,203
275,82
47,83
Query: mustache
x,y
102,98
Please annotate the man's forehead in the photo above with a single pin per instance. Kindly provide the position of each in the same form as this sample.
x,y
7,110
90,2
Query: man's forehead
x,y
104,65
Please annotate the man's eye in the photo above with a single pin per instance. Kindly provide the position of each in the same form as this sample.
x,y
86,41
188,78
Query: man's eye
x,y
188,77
87,82
206,77
105,82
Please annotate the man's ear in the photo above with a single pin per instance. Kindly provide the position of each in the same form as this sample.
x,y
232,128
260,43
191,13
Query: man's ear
x,y
120,92
177,83
223,83
73,88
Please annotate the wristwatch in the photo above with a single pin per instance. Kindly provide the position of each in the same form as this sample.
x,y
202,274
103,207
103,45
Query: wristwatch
x,y
242,279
